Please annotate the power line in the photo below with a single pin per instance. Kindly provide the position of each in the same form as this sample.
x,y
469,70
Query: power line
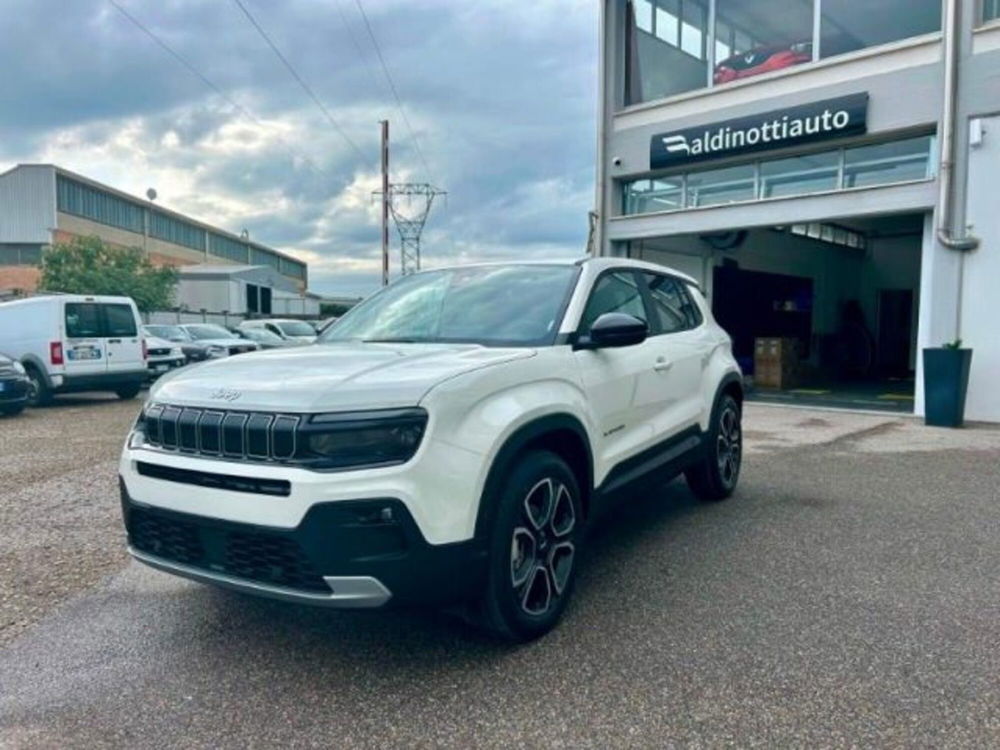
x,y
204,79
295,74
362,55
392,86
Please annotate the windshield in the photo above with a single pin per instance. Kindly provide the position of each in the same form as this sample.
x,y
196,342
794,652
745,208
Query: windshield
x,y
516,305
296,328
170,333
261,334
208,332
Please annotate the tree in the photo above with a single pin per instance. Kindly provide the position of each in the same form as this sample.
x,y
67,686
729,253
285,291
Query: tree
x,y
87,265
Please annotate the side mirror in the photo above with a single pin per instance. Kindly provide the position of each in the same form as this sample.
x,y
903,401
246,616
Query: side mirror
x,y
614,330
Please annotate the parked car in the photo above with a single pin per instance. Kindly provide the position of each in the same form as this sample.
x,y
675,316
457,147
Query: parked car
x,y
435,448
15,386
265,338
290,330
215,342
762,60
163,355
72,342
322,325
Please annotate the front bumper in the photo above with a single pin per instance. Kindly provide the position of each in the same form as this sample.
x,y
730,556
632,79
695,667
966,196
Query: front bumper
x,y
14,391
342,554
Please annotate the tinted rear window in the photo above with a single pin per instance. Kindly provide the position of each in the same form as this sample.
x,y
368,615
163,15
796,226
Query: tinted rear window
x,y
83,320
120,320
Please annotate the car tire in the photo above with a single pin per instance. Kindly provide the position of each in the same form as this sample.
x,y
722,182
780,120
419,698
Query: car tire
x,y
38,392
127,392
715,476
533,548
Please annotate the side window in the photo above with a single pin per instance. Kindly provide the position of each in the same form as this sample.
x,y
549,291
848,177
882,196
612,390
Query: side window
x,y
617,291
272,328
120,320
672,304
83,320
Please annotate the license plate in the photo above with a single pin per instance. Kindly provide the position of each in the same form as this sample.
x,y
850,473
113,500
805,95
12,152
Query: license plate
x,y
84,353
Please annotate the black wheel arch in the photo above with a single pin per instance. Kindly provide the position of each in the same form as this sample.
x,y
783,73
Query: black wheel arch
x,y
562,434
31,361
731,385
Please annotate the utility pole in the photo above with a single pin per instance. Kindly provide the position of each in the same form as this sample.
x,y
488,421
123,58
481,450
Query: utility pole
x,y
385,203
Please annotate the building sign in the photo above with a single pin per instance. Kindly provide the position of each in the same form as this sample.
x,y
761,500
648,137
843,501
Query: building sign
x,y
830,118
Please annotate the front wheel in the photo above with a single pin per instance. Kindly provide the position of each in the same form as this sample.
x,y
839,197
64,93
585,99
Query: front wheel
x,y
127,392
533,549
715,476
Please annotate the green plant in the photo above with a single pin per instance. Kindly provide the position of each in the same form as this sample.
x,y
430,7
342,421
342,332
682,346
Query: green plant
x,y
87,265
956,344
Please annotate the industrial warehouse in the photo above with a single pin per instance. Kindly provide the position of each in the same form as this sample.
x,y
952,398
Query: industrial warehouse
x,y
826,171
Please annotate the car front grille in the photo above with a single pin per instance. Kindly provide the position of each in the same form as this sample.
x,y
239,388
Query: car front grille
x,y
159,352
224,548
7,372
248,436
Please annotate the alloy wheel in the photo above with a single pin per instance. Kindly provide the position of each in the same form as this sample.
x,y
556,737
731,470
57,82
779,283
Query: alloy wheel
x,y
542,549
729,445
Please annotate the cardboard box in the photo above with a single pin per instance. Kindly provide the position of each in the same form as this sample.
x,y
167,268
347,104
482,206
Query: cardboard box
x,y
776,363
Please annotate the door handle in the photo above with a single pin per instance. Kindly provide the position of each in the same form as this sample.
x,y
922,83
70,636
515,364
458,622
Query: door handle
x,y
662,365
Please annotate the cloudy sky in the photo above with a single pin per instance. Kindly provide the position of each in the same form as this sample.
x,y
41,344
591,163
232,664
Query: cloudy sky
x,y
501,96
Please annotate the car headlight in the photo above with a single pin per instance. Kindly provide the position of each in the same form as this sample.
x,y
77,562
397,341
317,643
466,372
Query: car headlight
x,y
356,439
19,368
176,352
216,351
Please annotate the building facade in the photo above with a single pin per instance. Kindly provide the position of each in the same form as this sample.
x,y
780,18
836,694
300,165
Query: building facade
x,y
42,204
827,169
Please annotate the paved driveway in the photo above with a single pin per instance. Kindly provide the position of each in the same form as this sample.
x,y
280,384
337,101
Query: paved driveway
x,y
848,595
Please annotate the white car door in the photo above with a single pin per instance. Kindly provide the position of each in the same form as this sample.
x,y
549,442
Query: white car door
x,y
123,342
84,350
619,382
683,348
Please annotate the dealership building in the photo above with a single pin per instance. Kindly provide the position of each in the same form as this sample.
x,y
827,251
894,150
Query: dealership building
x,y
828,170
43,204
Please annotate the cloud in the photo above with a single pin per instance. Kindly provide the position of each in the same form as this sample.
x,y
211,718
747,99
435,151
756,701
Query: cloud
x,y
501,97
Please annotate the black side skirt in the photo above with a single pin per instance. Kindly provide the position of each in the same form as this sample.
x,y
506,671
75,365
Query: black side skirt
x,y
660,463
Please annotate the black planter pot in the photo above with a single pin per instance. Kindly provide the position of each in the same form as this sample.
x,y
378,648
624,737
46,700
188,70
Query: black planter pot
x,y
946,380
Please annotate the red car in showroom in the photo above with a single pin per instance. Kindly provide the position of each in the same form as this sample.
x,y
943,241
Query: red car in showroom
x,y
762,60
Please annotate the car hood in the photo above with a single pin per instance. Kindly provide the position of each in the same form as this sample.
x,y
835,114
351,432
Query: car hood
x,y
328,377
155,342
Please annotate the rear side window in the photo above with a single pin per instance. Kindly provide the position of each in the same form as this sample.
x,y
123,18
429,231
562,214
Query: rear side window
x,y
673,308
120,320
618,292
83,320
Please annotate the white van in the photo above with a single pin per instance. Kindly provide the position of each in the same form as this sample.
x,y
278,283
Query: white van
x,y
73,342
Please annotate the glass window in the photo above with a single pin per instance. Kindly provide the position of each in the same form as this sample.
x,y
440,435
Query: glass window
x,y
847,25
668,24
991,10
666,49
887,162
74,197
799,175
296,328
170,333
83,320
225,247
178,232
618,292
207,331
715,186
648,196
672,306
510,305
763,39
644,15
119,320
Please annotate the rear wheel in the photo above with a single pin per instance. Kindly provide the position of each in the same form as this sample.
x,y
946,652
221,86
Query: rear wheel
x,y
715,477
128,391
38,392
533,549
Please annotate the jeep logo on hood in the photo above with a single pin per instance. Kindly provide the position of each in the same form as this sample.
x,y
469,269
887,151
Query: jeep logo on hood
x,y
226,394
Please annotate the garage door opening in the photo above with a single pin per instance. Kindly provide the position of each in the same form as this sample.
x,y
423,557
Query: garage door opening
x,y
823,313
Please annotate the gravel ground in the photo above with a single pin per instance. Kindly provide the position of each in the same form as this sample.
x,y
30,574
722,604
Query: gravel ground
x,y
58,528
849,595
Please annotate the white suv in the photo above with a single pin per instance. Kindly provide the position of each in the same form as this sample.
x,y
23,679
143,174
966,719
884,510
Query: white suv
x,y
448,441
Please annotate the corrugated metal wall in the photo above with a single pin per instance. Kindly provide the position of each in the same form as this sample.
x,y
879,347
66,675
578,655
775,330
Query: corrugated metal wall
x,y
28,204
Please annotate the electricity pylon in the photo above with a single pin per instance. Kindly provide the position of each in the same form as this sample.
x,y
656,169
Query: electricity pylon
x,y
410,203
